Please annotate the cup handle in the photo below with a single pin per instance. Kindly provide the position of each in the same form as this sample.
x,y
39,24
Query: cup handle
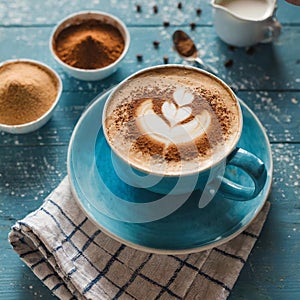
x,y
254,167
272,30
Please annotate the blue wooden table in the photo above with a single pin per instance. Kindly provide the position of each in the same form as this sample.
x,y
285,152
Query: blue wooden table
x,y
267,78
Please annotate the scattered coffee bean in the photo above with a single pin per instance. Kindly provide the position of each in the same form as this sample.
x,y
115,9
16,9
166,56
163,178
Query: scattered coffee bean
x,y
139,57
155,9
231,48
166,59
228,63
138,8
198,11
156,44
179,5
192,25
166,23
250,50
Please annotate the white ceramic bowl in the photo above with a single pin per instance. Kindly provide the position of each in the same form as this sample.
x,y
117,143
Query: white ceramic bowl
x,y
42,120
90,74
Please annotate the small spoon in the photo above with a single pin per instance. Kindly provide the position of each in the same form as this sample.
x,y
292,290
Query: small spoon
x,y
186,48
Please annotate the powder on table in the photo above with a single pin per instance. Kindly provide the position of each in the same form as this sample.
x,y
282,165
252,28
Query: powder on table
x,y
89,45
27,91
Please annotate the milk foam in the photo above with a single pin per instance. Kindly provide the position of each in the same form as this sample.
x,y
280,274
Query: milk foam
x,y
169,119
248,9
173,131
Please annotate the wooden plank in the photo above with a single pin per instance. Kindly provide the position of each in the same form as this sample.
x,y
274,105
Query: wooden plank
x,y
272,271
278,112
27,12
18,281
255,71
27,176
125,10
273,266
267,78
59,129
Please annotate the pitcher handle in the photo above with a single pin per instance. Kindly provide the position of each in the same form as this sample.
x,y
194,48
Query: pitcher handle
x,y
272,30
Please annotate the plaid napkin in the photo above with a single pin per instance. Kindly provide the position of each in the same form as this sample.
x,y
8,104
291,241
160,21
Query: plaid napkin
x,y
75,260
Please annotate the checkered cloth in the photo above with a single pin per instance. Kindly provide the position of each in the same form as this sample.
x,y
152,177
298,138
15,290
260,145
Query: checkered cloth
x,y
75,260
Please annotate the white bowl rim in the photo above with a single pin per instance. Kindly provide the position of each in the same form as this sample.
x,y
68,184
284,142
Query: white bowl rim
x,y
95,12
8,128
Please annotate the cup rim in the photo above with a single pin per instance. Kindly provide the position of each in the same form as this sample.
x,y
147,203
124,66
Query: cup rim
x,y
181,172
21,128
60,23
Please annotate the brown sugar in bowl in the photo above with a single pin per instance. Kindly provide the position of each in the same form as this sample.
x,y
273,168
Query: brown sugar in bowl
x,y
90,45
29,93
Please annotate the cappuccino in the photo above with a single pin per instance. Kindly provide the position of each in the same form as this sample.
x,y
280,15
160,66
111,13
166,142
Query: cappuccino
x,y
172,120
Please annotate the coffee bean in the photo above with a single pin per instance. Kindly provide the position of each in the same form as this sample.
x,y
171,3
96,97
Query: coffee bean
x,y
228,63
192,25
156,44
198,11
139,57
138,8
231,48
250,50
179,5
166,59
155,9
166,23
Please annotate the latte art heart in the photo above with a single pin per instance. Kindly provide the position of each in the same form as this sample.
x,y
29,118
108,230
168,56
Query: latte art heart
x,y
173,132
174,114
183,97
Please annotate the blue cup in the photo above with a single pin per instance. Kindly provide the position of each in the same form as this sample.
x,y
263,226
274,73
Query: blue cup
x,y
211,178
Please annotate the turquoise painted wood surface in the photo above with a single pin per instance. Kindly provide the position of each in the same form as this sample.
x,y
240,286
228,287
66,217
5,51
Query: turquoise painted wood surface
x,y
268,80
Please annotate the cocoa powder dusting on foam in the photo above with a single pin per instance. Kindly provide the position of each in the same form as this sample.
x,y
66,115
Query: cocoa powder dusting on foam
x,y
147,149
148,146
221,112
125,114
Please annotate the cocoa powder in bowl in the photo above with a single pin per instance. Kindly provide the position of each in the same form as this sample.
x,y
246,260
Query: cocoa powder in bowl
x,y
89,44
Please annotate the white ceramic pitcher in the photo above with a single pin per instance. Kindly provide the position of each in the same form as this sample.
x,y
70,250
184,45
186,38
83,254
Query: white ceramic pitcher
x,y
245,23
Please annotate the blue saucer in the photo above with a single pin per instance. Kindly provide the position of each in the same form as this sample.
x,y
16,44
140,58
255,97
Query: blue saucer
x,y
117,208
